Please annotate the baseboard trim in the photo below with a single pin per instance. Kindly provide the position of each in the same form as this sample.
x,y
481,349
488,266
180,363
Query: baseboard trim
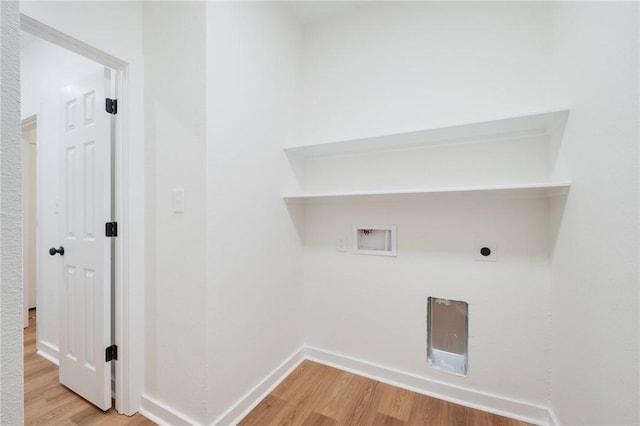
x,y
260,391
48,351
163,414
495,404
553,419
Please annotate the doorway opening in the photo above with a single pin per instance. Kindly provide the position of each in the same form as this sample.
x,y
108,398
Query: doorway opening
x,y
74,198
127,209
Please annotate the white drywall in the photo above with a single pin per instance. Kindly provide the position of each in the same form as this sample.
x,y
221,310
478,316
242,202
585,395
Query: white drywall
x,y
395,67
595,349
11,359
176,302
254,259
492,162
392,67
373,308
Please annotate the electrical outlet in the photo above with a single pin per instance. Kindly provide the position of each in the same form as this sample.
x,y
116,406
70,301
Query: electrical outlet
x,y
341,243
486,251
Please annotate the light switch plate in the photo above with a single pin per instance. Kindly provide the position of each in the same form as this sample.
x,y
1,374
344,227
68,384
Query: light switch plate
x,y
178,200
341,243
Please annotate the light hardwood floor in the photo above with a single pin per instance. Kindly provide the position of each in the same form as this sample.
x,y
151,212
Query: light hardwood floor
x,y
315,394
47,402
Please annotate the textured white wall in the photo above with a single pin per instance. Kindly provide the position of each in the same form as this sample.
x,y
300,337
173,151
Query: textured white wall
x,y
11,359
595,352
176,302
254,262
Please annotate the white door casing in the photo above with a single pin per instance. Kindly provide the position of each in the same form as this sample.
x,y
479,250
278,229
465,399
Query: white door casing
x,y
84,146
29,187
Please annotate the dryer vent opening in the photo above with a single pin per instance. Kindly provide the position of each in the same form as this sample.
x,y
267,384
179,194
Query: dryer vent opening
x,y
447,335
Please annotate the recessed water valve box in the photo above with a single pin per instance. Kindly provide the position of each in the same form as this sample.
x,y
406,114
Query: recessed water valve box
x,y
377,240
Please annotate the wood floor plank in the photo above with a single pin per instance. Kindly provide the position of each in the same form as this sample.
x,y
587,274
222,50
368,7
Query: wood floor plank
x,y
316,419
312,392
335,398
427,411
265,412
381,419
396,402
358,401
315,394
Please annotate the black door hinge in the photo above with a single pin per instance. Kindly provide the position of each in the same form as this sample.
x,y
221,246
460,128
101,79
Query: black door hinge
x,y
111,105
111,353
111,229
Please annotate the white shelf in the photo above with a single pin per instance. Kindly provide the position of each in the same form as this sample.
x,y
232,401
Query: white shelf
x,y
533,190
532,124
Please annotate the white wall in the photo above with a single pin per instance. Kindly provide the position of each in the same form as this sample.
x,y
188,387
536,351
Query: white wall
x,y
11,359
254,259
176,303
45,69
391,67
595,358
373,308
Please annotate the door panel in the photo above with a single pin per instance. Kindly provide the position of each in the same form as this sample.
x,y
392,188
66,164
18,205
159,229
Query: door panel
x,y
85,188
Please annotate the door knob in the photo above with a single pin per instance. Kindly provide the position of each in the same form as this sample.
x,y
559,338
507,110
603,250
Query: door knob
x,y
53,251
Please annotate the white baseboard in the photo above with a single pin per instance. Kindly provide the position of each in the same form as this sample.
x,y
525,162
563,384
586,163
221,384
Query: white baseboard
x,y
495,404
162,414
258,393
48,351
165,415
500,405
553,420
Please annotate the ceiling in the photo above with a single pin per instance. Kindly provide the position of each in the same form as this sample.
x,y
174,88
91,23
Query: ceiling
x,y
306,11
309,12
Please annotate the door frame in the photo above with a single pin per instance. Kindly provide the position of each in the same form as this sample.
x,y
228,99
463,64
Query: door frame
x,y
128,193
28,123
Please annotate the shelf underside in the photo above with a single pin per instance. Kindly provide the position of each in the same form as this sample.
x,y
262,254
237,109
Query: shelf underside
x,y
530,190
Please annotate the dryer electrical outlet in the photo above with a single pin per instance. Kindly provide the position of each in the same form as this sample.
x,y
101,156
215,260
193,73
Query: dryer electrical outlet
x,y
486,251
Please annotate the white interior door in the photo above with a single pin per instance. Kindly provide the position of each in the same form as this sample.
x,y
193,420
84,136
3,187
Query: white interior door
x,y
84,146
